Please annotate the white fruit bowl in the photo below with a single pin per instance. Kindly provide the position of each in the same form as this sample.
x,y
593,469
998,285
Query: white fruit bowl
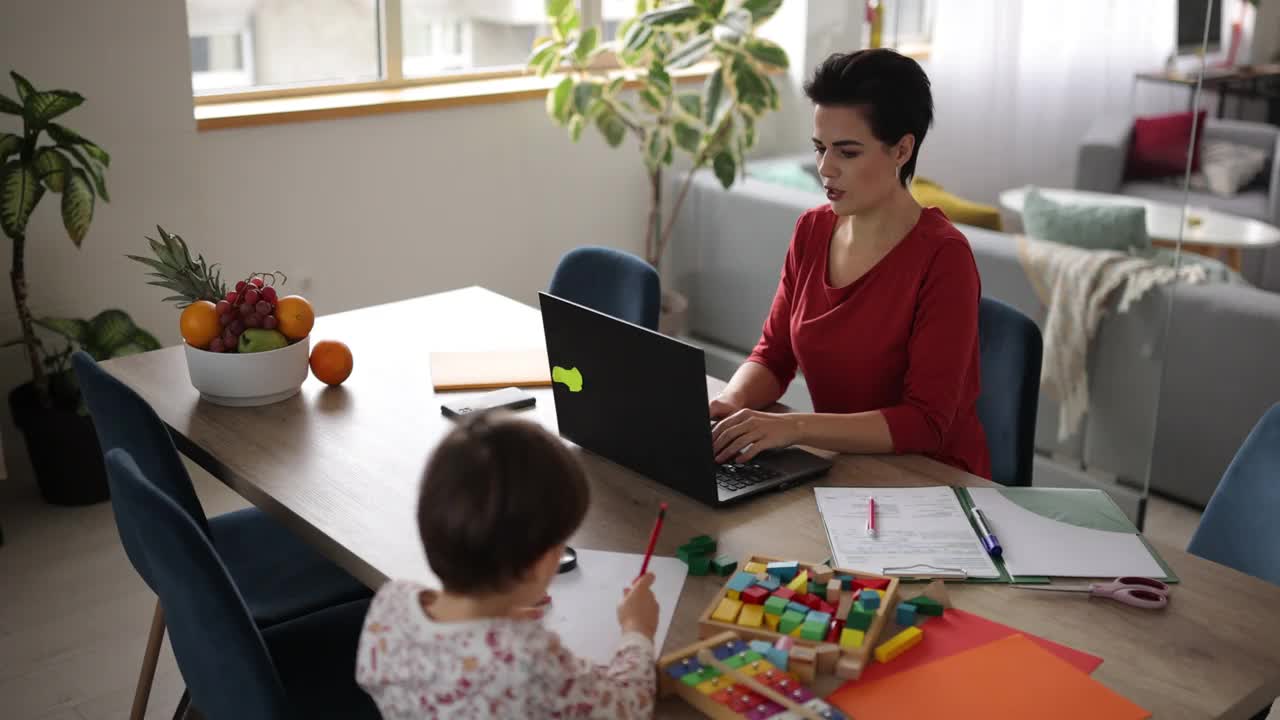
x,y
249,379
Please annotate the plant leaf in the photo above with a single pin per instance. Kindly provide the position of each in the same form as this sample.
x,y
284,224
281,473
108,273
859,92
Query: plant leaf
x,y
25,88
711,7
611,128
587,43
51,168
658,78
716,103
725,167
20,190
95,172
73,329
540,53
9,105
77,205
9,144
750,86
45,106
112,329
637,37
583,94
690,53
576,125
767,53
761,10
651,100
569,21
737,21
687,137
556,8
671,15
66,136
558,101
691,103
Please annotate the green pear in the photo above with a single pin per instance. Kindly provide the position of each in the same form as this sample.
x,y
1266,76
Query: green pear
x,y
260,340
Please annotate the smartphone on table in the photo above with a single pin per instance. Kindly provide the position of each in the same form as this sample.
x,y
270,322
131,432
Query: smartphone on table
x,y
505,399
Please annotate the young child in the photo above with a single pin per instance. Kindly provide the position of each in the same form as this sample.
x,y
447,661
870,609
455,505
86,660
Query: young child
x,y
499,500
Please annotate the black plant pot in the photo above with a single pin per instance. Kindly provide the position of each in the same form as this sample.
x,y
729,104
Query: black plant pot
x,y
63,448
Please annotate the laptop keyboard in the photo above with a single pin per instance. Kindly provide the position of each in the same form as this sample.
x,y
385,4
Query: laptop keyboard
x,y
737,477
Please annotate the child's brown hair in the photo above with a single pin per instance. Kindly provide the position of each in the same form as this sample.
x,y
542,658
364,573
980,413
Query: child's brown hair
x,y
498,493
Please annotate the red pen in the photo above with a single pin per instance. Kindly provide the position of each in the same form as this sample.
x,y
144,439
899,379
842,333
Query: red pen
x,y
653,538
871,516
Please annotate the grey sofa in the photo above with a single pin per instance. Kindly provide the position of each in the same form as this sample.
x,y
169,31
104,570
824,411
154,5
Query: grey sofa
x,y
1198,406
1100,166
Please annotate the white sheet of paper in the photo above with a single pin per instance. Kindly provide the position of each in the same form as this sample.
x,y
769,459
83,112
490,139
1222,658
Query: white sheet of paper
x,y
584,601
920,528
1037,545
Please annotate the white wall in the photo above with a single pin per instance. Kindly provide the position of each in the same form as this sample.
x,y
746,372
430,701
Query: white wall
x,y
370,209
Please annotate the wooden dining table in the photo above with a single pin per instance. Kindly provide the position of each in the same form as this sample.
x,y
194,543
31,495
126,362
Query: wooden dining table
x,y
341,467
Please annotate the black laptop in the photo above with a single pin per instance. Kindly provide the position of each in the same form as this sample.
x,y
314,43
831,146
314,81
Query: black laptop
x,y
639,398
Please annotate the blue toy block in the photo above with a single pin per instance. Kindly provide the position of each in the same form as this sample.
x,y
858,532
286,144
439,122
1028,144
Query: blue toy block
x,y
741,581
776,657
784,571
798,607
761,647
846,582
906,614
770,583
815,616
870,599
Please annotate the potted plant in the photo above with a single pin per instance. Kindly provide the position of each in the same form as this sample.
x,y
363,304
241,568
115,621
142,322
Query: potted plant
x,y
714,126
59,434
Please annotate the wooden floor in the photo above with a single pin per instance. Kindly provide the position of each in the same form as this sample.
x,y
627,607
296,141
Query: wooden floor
x,y
74,614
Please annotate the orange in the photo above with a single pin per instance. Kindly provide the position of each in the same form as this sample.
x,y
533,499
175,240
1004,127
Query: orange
x,y
199,324
294,317
331,362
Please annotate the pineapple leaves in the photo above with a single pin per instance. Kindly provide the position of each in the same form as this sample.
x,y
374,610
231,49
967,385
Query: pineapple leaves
x,y
175,270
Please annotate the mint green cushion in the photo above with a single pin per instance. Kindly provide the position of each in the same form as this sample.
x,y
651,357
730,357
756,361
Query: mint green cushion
x,y
1092,227
788,174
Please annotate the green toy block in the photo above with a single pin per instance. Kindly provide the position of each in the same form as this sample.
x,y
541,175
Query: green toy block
x,y
813,631
699,565
790,621
927,606
859,619
775,606
704,543
724,565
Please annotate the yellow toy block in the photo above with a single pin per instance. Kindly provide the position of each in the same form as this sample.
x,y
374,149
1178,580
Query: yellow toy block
x,y
751,616
728,610
715,685
899,644
771,621
800,583
755,668
734,595
796,633
755,568
851,638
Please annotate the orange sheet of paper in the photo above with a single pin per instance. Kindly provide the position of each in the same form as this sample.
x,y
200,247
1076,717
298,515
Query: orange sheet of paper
x,y
492,369
1009,678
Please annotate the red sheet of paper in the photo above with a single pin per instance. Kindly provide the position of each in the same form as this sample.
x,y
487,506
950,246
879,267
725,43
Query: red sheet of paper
x,y
1007,679
956,631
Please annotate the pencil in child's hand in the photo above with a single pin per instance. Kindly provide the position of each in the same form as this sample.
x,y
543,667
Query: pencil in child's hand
x,y
653,539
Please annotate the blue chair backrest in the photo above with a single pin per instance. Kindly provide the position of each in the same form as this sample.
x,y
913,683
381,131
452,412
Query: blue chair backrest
x,y
610,281
219,650
124,420
1239,527
1011,349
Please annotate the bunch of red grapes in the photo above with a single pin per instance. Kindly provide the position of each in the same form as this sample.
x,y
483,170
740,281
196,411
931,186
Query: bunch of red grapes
x,y
251,305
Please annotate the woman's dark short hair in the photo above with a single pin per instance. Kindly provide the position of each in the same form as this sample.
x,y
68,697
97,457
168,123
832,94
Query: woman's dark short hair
x,y
893,89
498,493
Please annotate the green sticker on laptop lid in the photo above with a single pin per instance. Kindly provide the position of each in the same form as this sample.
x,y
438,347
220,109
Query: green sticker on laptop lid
x,y
570,378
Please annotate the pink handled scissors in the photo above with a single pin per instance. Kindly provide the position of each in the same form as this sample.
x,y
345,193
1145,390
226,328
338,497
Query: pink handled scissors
x,y
1139,592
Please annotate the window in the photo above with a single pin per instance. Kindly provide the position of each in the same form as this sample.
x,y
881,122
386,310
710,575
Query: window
x,y
284,45
908,25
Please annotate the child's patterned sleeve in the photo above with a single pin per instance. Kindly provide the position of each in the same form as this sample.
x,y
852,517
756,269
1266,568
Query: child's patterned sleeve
x,y
575,688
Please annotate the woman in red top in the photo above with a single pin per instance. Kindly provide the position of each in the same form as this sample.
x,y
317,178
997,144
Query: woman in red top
x,y
878,303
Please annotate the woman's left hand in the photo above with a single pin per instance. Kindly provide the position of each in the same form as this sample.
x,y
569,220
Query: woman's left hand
x,y
759,430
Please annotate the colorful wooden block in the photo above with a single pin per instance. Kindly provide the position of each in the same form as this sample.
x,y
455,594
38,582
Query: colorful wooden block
x,y
778,658
846,581
727,611
699,565
859,619
813,602
846,604
755,568
760,646
826,607
768,582
704,543
906,615
816,631
851,638
741,581
874,583
772,621
798,607
751,616
869,599
828,656
785,593
927,606
797,631
833,592
817,588
800,583
815,616
776,605
803,663
754,595
833,631
848,668
784,571
724,565
821,573
790,621
899,644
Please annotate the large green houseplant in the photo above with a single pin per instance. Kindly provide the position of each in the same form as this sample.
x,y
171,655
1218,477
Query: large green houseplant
x,y
60,438
713,126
